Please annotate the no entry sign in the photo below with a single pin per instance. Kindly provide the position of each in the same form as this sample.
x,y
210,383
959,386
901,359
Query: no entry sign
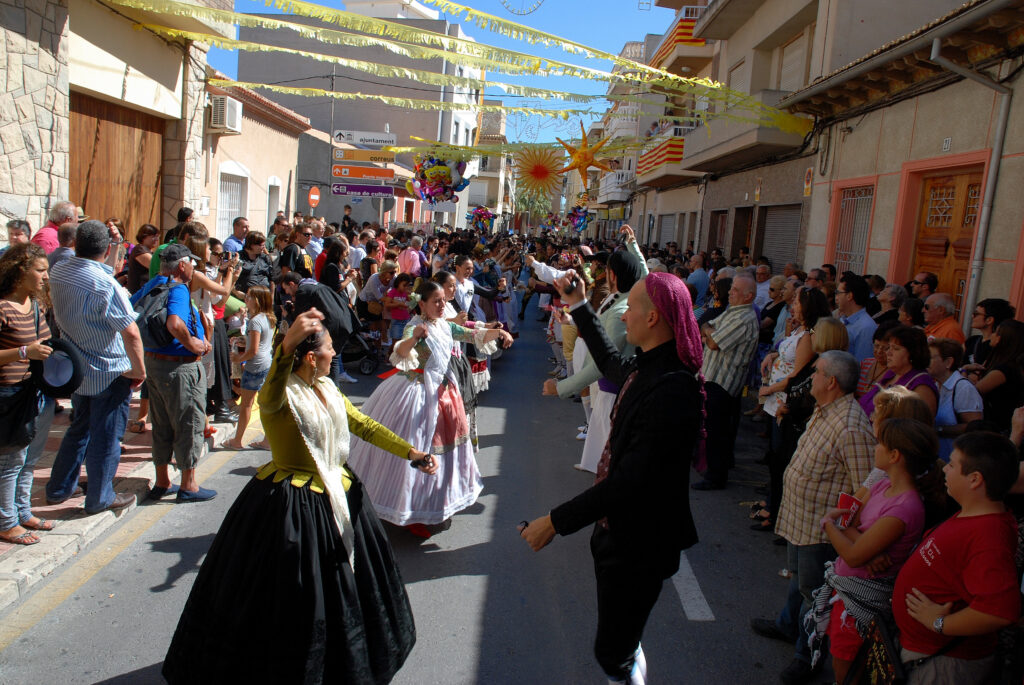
x,y
314,197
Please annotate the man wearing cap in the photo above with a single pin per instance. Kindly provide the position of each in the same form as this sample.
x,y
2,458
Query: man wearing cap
x,y
642,477
177,380
61,213
625,268
95,317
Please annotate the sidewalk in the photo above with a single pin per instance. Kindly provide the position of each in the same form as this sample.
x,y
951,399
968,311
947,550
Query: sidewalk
x,y
21,566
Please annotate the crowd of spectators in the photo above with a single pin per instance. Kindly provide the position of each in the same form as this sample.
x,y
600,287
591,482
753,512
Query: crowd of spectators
x,y
865,389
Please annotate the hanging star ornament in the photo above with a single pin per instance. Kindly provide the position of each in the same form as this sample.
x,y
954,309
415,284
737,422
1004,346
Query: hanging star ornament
x,y
537,170
583,157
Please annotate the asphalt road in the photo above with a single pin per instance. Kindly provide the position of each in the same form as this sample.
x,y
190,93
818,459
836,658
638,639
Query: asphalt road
x,y
488,609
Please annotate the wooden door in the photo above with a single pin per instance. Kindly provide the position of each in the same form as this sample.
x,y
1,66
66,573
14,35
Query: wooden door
x,y
945,230
115,162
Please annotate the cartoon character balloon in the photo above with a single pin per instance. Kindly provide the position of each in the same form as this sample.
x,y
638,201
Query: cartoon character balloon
x,y
578,218
437,180
481,218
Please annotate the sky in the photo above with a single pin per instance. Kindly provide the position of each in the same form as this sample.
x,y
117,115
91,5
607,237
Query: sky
x,y
602,24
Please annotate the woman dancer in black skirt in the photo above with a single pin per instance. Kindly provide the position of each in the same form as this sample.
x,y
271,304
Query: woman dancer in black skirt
x,y
300,584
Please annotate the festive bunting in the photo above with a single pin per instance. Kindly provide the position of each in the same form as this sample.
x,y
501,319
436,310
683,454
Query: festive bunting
x,y
537,170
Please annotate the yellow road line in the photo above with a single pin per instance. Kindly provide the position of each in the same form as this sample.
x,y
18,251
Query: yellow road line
x,y
67,583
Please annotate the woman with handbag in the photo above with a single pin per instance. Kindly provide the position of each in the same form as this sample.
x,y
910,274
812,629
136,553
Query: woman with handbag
x,y
27,413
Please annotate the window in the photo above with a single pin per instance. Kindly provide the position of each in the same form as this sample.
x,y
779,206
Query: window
x,y
739,77
854,224
231,202
457,129
792,64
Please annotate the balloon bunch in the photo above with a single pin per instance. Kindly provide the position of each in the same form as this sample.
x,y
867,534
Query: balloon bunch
x,y
552,222
578,218
481,218
437,180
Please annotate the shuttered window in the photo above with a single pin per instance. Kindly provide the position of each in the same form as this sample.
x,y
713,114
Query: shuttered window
x,y
791,68
230,203
666,229
739,77
781,235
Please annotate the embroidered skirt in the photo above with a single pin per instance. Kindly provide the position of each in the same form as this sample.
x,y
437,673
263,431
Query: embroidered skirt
x,y
277,602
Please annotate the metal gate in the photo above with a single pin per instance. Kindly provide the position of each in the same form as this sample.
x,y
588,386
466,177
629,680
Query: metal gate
x,y
854,224
781,235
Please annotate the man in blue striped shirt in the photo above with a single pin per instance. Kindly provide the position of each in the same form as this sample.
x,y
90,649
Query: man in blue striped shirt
x,y
93,314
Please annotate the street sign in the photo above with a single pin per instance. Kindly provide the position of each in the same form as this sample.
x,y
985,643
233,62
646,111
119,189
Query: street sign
x,y
362,190
314,197
352,171
379,156
365,138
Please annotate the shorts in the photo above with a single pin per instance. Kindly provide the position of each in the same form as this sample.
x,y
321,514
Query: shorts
x,y
844,640
364,312
397,329
253,381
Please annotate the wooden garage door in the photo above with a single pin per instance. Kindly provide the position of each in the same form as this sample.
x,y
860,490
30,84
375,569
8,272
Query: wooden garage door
x,y
115,162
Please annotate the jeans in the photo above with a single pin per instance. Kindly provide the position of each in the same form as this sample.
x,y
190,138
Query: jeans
x,y
807,563
16,472
93,438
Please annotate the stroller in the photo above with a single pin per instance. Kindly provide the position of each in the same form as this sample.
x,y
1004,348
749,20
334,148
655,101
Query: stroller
x,y
359,350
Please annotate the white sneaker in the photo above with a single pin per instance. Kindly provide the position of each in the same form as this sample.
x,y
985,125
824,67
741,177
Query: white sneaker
x,y
344,377
582,435
583,428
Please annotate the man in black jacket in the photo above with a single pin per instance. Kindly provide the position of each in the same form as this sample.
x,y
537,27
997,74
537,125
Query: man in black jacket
x,y
639,500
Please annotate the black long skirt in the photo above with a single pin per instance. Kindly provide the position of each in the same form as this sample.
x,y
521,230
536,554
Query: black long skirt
x,y
277,601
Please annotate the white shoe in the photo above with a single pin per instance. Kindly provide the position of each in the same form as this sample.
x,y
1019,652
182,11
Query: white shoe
x,y
344,377
583,428
582,435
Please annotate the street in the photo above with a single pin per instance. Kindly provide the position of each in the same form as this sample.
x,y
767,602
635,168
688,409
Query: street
x,y
487,608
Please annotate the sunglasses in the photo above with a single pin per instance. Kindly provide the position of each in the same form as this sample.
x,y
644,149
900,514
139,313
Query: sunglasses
x,y
308,235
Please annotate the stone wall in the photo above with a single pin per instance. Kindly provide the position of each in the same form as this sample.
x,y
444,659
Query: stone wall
x,y
183,142
34,124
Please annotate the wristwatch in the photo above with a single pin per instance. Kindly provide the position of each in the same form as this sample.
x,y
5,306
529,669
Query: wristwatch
x,y
937,625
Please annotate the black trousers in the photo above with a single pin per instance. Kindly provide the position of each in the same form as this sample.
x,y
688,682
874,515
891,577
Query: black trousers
x,y
723,411
626,592
220,391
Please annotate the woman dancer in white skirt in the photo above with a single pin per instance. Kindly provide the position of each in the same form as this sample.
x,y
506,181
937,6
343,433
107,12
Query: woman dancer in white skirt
x,y
421,403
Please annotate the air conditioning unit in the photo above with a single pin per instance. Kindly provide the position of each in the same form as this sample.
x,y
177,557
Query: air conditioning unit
x,y
226,115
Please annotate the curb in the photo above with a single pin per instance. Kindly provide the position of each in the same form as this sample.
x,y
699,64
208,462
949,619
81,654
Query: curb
x,y
20,572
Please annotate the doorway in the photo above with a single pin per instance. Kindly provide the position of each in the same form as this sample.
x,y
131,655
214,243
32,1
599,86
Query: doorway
x,y
948,218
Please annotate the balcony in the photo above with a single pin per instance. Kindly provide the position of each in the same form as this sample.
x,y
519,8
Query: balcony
x,y
615,187
679,52
623,124
726,143
660,163
721,18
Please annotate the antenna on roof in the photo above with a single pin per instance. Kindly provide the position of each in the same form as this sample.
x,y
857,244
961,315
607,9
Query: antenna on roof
x,y
644,5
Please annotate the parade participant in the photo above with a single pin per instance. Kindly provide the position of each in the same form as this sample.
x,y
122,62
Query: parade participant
x,y
460,366
420,401
625,268
300,584
640,484
466,291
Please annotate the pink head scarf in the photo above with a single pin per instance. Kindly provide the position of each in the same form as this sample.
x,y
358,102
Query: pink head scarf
x,y
672,300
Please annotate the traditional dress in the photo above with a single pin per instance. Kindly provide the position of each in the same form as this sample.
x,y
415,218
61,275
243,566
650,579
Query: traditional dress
x,y
421,402
300,584
463,372
467,300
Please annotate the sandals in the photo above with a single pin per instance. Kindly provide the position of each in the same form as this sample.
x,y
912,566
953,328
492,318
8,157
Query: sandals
x,y
40,524
209,431
756,508
137,426
26,538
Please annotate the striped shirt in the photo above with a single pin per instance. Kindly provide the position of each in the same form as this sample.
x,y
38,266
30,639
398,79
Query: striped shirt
x,y
834,455
736,332
91,310
17,330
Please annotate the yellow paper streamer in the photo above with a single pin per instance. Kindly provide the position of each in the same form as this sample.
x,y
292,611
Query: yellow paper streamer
x,y
408,103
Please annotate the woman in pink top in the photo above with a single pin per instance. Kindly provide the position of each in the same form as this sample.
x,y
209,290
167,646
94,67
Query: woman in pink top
x,y
879,538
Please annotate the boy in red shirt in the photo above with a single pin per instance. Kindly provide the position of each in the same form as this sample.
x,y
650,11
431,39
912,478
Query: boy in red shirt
x,y
961,581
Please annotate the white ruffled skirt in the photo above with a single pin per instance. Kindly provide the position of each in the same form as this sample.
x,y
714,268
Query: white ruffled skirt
x,y
403,495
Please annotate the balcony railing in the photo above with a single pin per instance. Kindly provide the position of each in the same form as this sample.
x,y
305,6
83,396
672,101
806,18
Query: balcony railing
x,y
615,186
681,33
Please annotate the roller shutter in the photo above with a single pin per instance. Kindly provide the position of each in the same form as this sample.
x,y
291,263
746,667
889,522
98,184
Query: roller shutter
x,y
781,235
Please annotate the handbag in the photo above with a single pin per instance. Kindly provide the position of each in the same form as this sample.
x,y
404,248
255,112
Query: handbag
x,y
375,308
20,410
879,660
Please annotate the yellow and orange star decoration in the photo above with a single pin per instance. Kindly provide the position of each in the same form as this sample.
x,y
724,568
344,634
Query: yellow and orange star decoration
x,y
582,158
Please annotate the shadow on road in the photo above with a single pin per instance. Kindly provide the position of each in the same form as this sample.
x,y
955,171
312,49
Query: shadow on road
x,y
190,552
142,676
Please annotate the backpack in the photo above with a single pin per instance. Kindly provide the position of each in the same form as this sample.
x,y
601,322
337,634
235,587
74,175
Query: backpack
x,y
152,311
